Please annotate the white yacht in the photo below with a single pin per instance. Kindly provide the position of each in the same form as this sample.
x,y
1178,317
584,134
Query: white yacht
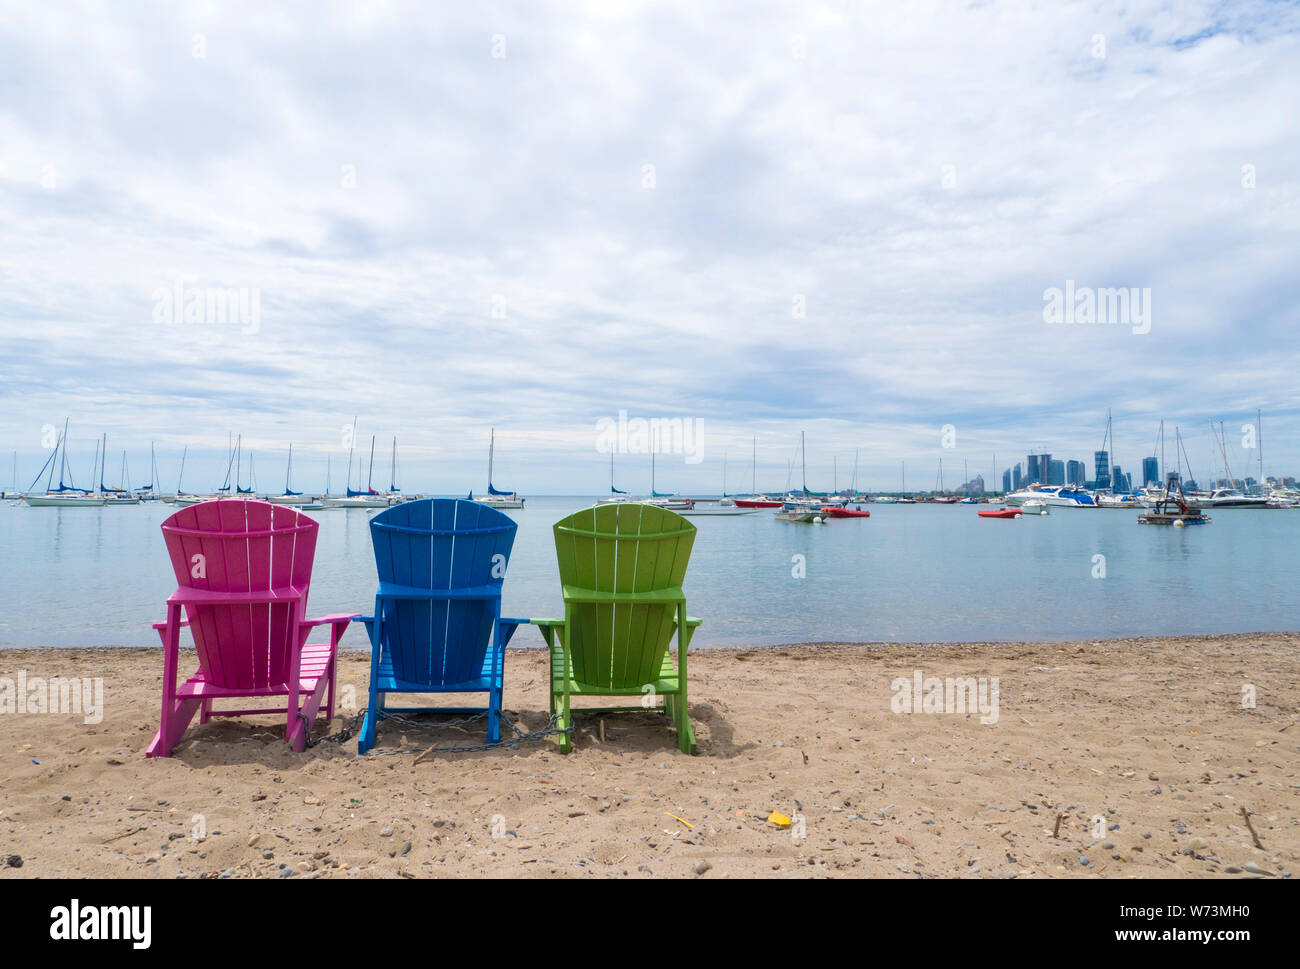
x,y
1229,498
1057,495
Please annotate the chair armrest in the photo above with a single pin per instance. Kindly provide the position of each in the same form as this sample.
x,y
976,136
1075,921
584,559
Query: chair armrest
x,y
543,622
343,617
506,629
163,624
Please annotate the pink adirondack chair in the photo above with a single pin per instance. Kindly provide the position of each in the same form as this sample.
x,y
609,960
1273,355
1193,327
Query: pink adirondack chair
x,y
243,570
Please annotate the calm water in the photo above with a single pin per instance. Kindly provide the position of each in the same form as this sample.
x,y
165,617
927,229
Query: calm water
x,y
923,573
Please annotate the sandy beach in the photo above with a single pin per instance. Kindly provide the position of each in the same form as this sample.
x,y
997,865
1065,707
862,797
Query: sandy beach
x,y
1115,759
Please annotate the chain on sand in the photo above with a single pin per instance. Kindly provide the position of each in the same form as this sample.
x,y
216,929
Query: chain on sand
x,y
520,736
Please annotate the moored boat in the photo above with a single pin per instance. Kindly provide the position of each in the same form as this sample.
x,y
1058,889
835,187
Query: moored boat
x,y
999,513
1173,508
838,511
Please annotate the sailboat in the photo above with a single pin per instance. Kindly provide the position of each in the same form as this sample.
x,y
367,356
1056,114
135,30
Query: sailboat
x,y
495,498
1232,496
754,499
369,498
181,497
65,495
803,495
122,494
290,497
666,500
724,507
615,496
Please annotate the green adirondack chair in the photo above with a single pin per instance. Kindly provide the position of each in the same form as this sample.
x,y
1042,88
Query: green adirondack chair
x,y
621,569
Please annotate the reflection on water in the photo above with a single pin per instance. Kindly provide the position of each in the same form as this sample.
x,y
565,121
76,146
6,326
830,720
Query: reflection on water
x,y
99,576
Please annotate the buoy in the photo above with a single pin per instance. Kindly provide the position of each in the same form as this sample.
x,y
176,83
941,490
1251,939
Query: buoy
x,y
1179,523
816,520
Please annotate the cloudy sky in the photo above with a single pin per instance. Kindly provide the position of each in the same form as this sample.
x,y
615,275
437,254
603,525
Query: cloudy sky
x,y
834,218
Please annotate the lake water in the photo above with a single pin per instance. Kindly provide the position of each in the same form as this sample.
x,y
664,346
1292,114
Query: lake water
x,y
912,573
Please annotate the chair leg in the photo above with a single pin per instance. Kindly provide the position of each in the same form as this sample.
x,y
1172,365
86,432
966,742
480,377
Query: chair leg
x,y
565,721
685,732
302,728
205,712
173,727
366,738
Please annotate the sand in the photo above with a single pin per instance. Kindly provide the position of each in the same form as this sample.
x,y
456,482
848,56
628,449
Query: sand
x,y
1145,742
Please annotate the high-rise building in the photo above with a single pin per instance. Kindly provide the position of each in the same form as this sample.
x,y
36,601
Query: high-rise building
x,y
1101,461
1075,474
1056,472
1150,472
1017,478
1006,480
1039,465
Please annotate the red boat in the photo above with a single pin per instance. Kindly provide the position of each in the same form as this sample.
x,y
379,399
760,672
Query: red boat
x,y
999,513
835,511
757,503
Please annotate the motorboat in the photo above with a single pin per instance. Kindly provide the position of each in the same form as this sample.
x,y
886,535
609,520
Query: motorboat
x,y
1034,506
797,512
1119,501
839,511
1228,498
1059,496
999,512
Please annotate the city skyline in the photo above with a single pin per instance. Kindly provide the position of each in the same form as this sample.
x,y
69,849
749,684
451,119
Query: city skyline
x,y
532,219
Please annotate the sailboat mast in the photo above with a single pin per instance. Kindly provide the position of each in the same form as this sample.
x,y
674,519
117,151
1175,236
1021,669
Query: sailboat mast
x,y
1162,450
101,465
1259,443
370,477
327,474
351,441
392,467
64,465
754,483
492,443
181,476
54,459
803,460
95,467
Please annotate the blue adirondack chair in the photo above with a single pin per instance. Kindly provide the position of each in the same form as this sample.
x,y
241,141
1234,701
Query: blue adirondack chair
x,y
441,564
